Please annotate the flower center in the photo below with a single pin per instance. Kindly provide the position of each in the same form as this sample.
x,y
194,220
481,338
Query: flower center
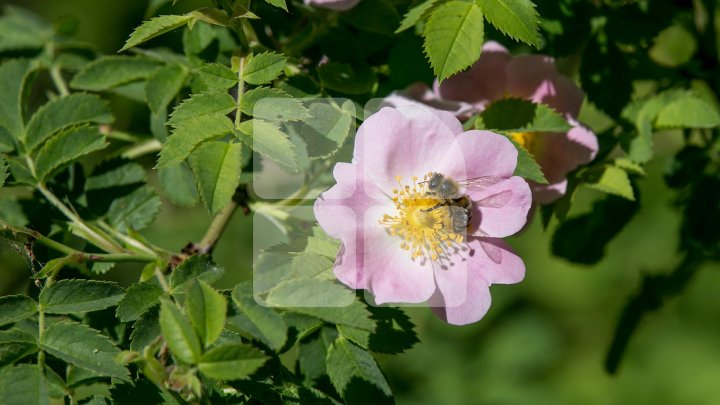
x,y
423,221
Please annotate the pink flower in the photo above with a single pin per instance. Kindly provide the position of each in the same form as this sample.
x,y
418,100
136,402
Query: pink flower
x,y
497,75
399,241
337,5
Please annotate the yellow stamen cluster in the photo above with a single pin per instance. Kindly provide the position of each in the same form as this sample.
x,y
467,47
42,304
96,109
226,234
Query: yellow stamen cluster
x,y
424,227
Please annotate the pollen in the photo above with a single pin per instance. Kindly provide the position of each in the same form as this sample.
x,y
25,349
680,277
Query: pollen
x,y
421,221
527,140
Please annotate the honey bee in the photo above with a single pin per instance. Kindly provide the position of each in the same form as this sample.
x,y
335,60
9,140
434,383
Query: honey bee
x,y
459,205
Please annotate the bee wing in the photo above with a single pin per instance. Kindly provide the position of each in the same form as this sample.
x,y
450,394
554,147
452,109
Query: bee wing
x,y
480,183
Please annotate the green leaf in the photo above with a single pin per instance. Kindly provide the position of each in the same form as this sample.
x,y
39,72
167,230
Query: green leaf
x,y
210,15
516,18
189,134
64,112
13,76
66,147
527,167
20,29
109,72
211,103
231,362
517,115
20,171
264,68
216,166
114,175
347,78
394,332
154,27
14,308
375,16
7,143
163,85
145,330
70,296
134,211
53,266
206,309
273,105
278,3
178,185
415,15
313,352
688,112
268,140
23,384
260,322
217,76
15,345
201,267
198,38
611,180
454,37
347,363
582,239
84,347
179,333
328,128
4,173
137,300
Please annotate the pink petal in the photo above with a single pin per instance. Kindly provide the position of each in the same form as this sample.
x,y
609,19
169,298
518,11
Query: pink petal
x,y
393,275
485,154
547,193
501,210
475,306
505,267
534,77
483,83
421,94
337,5
389,144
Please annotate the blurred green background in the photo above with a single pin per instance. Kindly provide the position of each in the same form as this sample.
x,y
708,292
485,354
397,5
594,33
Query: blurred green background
x,y
544,340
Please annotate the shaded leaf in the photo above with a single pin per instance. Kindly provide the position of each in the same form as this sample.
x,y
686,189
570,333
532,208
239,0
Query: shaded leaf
x,y
231,362
517,115
84,347
13,76
116,176
256,320
20,29
145,330
63,112
134,211
69,296
200,266
108,72
163,85
347,78
23,384
178,185
14,308
65,148
328,128
272,105
347,362
611,180
137,300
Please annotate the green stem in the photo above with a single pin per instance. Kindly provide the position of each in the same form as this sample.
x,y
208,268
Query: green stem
x,y
58,80
40,238
240,91
141,149
161,279
216,228
92,235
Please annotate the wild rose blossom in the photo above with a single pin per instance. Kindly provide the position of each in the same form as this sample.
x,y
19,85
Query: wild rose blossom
x,y
497,75
397,242
337,5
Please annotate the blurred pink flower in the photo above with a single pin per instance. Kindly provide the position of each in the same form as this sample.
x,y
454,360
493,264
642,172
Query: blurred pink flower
x,y
337,5
398,240
497,75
